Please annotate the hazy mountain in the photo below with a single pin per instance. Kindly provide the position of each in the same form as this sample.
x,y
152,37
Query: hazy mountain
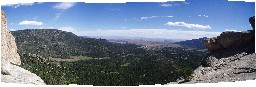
x,y
194,43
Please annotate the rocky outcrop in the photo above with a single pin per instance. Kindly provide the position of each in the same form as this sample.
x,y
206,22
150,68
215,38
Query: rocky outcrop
x,y
252,22
8,50
239,67
10,59
230,40
231,58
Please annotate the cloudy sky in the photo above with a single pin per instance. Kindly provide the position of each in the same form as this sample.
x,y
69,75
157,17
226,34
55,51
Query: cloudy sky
x,y
171,20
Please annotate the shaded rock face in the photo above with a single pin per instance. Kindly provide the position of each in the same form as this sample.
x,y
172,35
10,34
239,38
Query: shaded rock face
x,y
10,59
230,39
231,58
252,22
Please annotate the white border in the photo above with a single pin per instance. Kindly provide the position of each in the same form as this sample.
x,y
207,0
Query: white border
x,y
248,83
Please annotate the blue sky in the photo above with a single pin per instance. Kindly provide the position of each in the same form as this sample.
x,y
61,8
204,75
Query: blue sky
x,y
171,20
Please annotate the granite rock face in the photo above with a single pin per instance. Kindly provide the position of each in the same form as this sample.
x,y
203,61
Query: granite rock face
x,y
10,59
231,58
229,40
239,67
8,46
21,76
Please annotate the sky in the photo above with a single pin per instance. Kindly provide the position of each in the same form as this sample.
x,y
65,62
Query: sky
x,y
190,19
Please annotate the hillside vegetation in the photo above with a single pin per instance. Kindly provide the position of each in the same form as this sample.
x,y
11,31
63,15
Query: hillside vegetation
x,y
105,63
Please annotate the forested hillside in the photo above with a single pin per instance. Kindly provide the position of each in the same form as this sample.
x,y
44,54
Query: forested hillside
x,y
100,62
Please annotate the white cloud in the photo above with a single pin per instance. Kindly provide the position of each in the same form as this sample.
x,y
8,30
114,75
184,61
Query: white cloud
x,y
183,24
149,17
64,5
19,4
40,2
26,22
58,15
230,30
203,15
169,16
22,4
12,29
68,29
142,18
168,5
185,2
145,18
173,3
51,27
150,33
41,28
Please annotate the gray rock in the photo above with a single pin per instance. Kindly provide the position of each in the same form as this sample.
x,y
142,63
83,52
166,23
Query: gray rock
x,y
8,48
231,58
22,76
10,73
236,68
229,39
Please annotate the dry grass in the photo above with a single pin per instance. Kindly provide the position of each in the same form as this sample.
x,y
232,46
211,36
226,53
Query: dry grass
x,y
76,58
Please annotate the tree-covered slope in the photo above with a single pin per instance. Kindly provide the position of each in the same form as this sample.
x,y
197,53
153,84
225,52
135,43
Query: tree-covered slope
x,y
109,63
61,44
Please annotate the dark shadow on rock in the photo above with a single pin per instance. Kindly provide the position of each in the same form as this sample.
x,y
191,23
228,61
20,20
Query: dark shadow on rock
x,y
245,70
252,22
184,81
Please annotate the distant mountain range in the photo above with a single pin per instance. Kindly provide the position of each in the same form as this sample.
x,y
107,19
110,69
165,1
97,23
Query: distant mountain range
x,y
134,38
194,43
155,42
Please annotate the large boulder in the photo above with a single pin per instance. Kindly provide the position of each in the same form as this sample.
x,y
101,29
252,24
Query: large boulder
x,y
10,59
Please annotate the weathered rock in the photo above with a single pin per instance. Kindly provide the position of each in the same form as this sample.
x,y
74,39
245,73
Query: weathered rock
x,y
239,67
231,58
252,22
212,44
10,73
230,39
8,48
22,76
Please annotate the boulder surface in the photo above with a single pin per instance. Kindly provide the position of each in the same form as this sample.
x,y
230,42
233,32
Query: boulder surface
x,y
10,59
